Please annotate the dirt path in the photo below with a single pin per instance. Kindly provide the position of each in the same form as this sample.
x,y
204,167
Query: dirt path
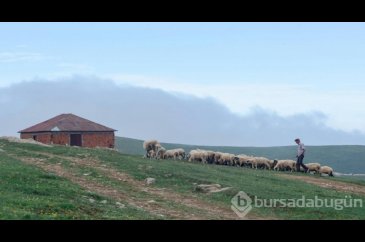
x,y
107,190
327,183
208,210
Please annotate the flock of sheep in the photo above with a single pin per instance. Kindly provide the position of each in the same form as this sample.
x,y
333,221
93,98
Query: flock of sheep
x,y
154,150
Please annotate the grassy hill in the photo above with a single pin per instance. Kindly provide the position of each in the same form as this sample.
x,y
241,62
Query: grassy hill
x,y
38,182
343,158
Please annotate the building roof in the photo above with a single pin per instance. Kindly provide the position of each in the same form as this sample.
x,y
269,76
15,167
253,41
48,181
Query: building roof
x,y
67,122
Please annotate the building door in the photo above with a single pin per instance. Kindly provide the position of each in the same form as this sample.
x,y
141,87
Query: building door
x,y
75,140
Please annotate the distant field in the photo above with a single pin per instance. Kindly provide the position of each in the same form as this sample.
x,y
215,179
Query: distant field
x,y
343,158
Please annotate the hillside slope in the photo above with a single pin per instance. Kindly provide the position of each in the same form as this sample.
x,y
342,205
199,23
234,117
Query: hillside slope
x,y
343,158
38,182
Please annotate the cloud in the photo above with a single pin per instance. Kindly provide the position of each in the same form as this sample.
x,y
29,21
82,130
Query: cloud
x,y
341,103
7,57
151,113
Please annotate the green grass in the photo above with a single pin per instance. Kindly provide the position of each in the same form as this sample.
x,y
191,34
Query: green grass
x,y
353,180
28,192
180,175
342,158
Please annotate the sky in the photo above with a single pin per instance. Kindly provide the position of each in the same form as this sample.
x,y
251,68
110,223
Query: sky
x,y
257,84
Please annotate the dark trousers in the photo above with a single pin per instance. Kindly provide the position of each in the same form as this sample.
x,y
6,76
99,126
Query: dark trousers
x,y
300,163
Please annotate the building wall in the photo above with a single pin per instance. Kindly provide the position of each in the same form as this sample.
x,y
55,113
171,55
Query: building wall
x,y
89,139
41,137
60,138
100,139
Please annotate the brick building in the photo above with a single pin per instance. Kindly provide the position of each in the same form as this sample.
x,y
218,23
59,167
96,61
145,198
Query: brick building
x,y
69,129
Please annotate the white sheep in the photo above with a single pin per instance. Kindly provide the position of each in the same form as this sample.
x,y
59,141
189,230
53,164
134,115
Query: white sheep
x,y
176,153
151,154
242,160
210,156
151,145
180,153
285,165
326,170
217,157
260,162
313,167
226,159
231,160
170,154
160,153
198,155
273,163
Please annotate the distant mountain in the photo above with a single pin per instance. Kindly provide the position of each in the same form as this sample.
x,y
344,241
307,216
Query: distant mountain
x,y
342,158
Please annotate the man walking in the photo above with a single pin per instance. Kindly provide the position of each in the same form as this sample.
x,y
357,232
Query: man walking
x,y
300,155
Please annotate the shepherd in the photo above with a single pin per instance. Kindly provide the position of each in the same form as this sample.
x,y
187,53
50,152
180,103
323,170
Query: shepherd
x,y
300,155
